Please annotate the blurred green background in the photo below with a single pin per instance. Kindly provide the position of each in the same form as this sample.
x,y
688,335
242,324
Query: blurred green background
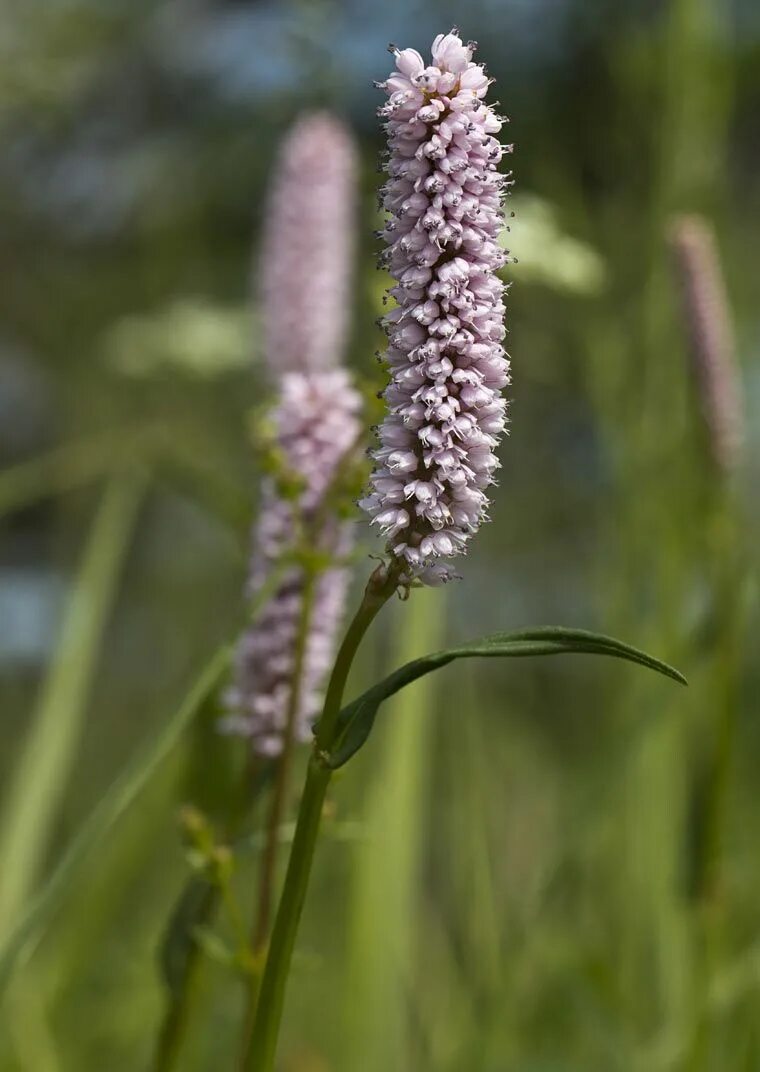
x,y
539,866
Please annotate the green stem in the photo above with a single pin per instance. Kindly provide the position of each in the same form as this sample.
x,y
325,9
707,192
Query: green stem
x,y
262,920
727,585
181,998
279,792
177,1017
261,1052
710,890
180,1001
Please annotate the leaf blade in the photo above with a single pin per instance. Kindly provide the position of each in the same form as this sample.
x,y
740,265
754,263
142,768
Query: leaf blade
x,y
358,717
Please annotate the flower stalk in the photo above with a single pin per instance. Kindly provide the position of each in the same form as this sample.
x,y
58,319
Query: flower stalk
x,y
260,1053
277,808
282,665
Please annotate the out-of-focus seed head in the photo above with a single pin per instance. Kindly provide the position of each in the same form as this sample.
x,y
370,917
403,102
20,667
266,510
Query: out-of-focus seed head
x,y
711,342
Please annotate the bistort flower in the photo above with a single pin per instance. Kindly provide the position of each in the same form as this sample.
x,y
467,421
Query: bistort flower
x,y
308,246
445,355
305,274
708,321
316,426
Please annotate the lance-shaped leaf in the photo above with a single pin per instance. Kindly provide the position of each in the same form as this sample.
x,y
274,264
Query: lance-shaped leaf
x,y
358,717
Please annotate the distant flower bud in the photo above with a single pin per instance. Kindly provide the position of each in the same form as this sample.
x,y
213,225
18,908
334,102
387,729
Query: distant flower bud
x,y
305,284
708,322
306,263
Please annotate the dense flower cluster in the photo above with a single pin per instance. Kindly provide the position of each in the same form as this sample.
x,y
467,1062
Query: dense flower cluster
x,y
316,425
305,276
305,268
708,320
447,363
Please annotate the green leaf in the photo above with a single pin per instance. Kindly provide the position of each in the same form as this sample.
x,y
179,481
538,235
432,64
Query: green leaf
x,y
194,910
24,937
358,717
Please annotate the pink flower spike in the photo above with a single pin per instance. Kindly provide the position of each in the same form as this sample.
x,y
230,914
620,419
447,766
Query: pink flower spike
x,y
316,426
305,277
305,267
445,356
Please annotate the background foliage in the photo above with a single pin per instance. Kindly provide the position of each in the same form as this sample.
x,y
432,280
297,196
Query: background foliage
x,y
520,871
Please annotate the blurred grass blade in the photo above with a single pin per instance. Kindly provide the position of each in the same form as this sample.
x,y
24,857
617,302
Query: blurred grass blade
x,y
67,467
390,862
34,794
358,717
79,463
201,478
27,1025
123,792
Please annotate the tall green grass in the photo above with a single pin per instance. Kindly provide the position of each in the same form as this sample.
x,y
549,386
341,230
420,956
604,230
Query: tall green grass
x,y
388,864
47,759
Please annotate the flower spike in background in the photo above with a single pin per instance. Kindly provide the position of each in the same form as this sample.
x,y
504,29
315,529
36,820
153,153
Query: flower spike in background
x,y
708,320
305,279
307,253
445,355
316,425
